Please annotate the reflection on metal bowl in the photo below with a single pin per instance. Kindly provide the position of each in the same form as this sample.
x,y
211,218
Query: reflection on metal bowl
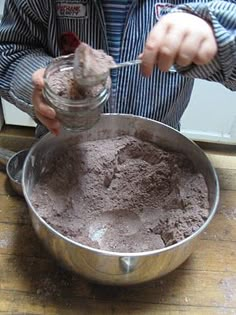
x,y
112,267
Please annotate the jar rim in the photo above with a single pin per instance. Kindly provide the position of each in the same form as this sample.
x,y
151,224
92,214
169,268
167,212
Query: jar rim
x,y
72,102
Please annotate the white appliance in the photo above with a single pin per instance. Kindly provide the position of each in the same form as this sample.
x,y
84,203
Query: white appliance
x,y
211,114
14,116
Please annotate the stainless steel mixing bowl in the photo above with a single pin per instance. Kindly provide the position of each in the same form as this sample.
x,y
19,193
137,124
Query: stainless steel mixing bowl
x,y
112,267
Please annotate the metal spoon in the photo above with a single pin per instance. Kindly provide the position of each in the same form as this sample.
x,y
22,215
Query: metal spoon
x,y
97,79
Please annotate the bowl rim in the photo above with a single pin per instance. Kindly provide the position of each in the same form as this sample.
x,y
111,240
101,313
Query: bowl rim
x,y
125,254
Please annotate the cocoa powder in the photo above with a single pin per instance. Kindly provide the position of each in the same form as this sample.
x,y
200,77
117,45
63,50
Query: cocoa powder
x,y
122,195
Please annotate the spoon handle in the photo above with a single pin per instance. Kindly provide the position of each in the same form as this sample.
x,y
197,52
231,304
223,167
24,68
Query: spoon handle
x,y
127,64
133,63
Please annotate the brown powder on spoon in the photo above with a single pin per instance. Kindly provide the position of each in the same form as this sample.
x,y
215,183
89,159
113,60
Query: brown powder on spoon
x,y
92,62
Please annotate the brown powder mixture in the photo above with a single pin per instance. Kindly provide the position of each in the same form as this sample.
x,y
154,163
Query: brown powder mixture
x,y
122,195
88,63
63,84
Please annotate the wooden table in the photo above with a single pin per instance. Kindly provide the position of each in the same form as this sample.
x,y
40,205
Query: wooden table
x,y
31,282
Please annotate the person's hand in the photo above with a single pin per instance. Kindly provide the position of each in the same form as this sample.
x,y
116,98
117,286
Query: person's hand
x,y
178,38
45,114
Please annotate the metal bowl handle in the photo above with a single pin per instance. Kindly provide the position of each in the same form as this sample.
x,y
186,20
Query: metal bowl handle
x,y
5,155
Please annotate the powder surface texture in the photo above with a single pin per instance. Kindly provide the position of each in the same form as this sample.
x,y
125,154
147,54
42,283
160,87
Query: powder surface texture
x,y
88,64
91,62
122,195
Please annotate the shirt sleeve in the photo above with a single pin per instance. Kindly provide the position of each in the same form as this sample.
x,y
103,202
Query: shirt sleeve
x,y
222,16
23,50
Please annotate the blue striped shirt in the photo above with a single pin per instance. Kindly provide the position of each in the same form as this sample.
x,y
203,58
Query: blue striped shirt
x,y
115,13
29,39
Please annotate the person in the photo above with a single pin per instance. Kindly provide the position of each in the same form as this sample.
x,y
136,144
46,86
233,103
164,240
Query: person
x,y
198,37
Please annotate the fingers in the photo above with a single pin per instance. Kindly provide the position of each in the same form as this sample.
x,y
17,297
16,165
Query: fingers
x,y
197,49
40,106
188,49
37,78
169,49
179,38
152,47
43,112
206,52
52,125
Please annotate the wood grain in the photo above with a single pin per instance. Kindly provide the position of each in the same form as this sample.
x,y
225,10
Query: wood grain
x,y
32,282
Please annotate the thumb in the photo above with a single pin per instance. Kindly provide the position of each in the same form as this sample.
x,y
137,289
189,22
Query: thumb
x,y
37,78
140,56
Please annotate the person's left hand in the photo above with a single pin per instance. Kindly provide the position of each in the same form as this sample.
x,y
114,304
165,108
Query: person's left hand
x,y
178,38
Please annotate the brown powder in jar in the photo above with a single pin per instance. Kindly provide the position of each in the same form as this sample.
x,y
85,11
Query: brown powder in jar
x,y
92,62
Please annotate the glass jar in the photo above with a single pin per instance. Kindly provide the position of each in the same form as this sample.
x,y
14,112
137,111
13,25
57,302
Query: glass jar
x,y
74,114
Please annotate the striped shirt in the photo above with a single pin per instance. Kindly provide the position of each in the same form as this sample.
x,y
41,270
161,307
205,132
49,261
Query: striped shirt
x,y
30,33
115,13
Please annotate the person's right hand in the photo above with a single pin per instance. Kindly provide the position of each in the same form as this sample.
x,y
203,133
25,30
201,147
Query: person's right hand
x,y
45,114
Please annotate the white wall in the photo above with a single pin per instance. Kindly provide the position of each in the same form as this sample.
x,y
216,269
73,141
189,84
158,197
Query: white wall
x,y
211,114
1,7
